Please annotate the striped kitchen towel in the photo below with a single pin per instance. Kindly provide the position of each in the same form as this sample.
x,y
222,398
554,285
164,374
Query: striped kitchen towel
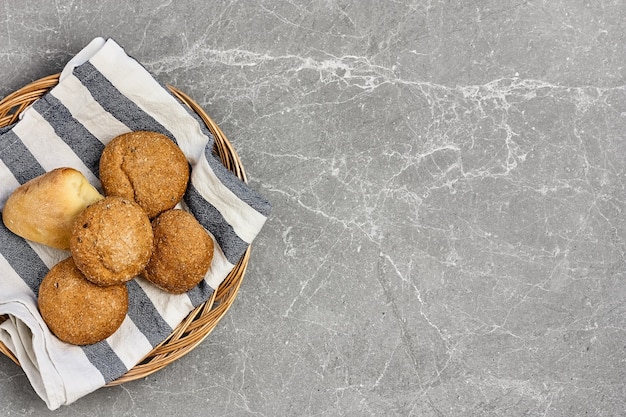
x,y
102,93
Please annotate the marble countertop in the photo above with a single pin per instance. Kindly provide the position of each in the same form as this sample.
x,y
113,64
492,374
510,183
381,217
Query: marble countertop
x,y
448,234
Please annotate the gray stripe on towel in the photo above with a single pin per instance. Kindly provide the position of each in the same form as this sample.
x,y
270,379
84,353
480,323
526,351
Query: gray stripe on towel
x,y
116,103
145,315
238,187
16,156
200,293
85,145
22,258
104,359
209,217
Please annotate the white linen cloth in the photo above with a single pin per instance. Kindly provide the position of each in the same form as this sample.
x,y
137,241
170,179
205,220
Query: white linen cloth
x,y
101,94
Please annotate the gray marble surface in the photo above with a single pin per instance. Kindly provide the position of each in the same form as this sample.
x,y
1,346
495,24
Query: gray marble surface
x,y
448,235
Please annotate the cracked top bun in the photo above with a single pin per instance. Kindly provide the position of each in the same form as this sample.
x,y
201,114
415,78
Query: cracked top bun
x,y
146,167
111,241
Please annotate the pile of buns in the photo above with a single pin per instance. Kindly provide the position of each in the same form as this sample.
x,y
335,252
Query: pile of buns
x,y
132,230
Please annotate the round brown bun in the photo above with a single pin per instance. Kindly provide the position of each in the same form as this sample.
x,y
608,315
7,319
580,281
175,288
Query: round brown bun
x,y
182,252
111,241
146,167
78,311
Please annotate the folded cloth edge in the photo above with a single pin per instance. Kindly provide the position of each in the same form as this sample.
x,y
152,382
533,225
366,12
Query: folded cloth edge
x,y
82,56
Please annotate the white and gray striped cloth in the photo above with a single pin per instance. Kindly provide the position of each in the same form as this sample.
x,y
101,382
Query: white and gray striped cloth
x,y
103,93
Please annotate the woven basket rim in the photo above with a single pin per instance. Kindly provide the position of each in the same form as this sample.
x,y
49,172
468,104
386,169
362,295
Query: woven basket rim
x,y
203,319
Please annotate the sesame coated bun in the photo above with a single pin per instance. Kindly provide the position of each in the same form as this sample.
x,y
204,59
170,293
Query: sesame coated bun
x,y
78,311
182,252
111,241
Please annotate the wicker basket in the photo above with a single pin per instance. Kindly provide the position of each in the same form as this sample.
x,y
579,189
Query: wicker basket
x,y
202,320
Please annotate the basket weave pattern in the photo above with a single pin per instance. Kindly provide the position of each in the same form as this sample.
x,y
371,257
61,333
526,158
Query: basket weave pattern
x,y
204,318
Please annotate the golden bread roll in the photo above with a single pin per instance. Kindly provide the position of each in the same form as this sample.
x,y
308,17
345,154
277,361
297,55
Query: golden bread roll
x,y
182,253
111,241
78,311
43,209
147,167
